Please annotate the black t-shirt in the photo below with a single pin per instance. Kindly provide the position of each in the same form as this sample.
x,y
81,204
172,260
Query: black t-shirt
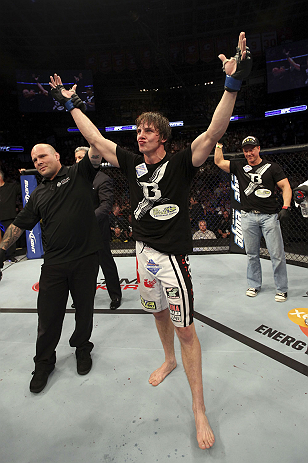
x,y
257,184
159,199
8,197
65,206
224,226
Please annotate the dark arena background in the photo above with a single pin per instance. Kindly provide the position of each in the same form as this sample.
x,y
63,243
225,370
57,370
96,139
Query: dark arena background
x,y
126,57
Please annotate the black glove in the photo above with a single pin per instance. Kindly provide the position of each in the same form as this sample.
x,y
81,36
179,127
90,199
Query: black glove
x,y
243,67
68,103
300,193
2,257
284,215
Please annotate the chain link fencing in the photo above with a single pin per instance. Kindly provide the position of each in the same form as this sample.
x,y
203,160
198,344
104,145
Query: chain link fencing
x,y
209,205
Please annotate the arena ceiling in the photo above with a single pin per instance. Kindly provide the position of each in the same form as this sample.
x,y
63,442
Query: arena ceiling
x,y
45,33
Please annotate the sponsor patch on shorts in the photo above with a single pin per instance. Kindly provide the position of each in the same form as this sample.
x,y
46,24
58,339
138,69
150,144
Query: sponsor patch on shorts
x,y
152,267
173,293
148,305
175,313
149,283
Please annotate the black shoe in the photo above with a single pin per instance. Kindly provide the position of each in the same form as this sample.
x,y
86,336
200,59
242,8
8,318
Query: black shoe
x,y
84,361
115,303
13,260
39,380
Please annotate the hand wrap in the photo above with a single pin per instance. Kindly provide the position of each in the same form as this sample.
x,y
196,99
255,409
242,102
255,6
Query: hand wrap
x,y
243,67
68,103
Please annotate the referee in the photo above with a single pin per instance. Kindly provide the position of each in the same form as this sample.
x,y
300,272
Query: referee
x,y
63,201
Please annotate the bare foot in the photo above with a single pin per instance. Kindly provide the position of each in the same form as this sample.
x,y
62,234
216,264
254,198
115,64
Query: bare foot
x,y
205,435
160,374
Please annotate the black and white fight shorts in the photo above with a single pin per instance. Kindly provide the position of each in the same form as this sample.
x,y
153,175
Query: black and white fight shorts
x,y
165,282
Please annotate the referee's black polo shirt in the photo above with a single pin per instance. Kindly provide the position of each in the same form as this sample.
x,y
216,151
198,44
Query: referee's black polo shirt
x,y
65,206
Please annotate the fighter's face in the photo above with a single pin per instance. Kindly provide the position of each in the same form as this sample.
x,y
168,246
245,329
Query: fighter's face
x,y
148,138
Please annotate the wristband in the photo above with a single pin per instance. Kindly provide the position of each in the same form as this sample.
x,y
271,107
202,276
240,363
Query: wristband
x,y
219,145
231,84
69,105
286,207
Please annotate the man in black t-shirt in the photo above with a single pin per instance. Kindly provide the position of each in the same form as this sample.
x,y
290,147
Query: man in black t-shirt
x,y
159,185
257,181
63,201
224,226
103,201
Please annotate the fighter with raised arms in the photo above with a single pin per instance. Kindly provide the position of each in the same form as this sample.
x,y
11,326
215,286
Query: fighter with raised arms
x,y
159,185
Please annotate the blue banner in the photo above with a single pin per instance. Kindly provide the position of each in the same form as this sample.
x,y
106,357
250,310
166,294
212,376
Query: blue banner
x,y
34,236
236,236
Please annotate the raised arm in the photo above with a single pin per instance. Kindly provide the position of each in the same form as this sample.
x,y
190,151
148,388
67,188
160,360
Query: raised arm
x,y
291,61
219,159
100,147
236,69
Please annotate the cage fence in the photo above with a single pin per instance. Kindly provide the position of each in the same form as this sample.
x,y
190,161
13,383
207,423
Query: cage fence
x,y
209,205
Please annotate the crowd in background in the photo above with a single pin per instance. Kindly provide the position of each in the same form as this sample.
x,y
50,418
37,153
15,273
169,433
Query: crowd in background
x,y
210,194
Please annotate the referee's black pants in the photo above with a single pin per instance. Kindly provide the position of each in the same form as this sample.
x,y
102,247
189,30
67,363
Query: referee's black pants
x,y
110,271
80,278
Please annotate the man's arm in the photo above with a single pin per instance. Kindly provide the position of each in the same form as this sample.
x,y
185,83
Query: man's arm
x,y
291,61
237,69
10,237
284,213
219,159
100,147
284,185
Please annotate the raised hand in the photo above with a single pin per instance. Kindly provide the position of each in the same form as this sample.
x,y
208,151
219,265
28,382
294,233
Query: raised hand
x,y
56,80
238,67
67,98
229,65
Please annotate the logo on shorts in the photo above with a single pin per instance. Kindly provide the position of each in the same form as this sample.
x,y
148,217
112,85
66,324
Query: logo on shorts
x,y
152,267
175,313
173,293
148,305
149,284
